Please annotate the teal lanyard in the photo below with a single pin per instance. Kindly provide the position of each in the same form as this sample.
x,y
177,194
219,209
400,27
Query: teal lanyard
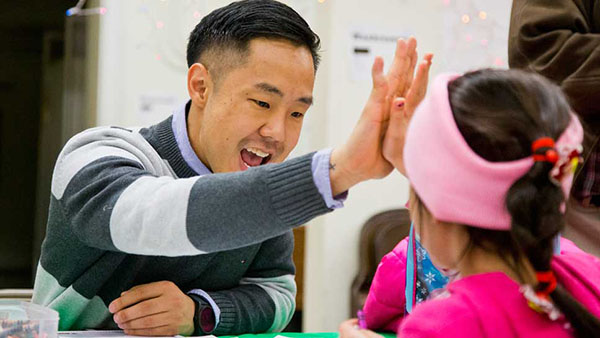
x,y
422,277
411,271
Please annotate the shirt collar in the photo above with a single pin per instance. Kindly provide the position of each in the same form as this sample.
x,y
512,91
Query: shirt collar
x,y
179,126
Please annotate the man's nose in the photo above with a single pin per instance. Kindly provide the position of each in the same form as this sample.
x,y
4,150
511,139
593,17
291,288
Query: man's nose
x,y
274,128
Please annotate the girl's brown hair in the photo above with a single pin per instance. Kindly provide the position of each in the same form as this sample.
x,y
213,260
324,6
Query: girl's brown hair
x,y
500,113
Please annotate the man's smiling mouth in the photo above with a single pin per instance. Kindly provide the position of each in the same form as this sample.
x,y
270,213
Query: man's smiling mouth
x,y
253,157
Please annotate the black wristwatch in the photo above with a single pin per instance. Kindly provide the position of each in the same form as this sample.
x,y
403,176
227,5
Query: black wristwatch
x,y
204,316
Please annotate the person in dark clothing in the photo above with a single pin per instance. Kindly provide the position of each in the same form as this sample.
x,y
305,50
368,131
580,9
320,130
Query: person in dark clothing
x,y
560,39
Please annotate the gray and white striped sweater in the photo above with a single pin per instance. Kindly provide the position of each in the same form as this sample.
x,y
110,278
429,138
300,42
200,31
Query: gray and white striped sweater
x,y
127,210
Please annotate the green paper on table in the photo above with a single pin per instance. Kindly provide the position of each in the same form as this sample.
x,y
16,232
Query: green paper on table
x,y
298,335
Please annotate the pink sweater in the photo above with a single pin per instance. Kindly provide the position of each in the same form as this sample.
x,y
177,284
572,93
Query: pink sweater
x,y
385,304
475,300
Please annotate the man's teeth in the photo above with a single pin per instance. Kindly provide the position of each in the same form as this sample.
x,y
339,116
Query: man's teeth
x,y
257,152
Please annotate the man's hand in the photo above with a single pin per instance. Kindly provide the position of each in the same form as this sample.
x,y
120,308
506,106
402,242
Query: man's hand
x,y
349,329
155,309
361,157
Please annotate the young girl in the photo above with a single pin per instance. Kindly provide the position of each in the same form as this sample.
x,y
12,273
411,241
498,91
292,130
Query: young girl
x,y
487,154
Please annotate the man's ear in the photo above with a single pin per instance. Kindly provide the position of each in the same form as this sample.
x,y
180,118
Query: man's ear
x,y
199,84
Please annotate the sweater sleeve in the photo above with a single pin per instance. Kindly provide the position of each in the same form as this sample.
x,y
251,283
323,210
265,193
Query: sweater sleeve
x,y
116,194
558,40
265,299
385,304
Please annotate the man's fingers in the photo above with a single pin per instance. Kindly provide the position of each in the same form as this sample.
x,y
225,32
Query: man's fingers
x,y
395,74
149,322
380,86
140,310
377,72
413,58
166,330
133,288
135,295
406,55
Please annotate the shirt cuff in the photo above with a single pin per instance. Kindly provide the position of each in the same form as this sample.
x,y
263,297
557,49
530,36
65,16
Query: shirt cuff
x,y
208,298
320,171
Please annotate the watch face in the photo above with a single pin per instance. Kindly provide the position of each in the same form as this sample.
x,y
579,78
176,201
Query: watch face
x,y
207,319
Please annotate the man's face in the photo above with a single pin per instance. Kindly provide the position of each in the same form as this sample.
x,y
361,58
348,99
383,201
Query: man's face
x,y
255,114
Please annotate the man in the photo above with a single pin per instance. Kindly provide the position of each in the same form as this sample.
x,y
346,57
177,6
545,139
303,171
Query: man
x,y
561,41
184,227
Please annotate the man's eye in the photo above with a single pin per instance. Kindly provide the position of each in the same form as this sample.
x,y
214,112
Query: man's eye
x,y
297,115
262,104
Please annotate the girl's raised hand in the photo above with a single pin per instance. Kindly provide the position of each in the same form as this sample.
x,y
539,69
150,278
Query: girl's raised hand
x,y
409,95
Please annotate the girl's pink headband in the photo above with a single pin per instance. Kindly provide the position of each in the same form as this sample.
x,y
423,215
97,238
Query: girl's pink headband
x,y
455,183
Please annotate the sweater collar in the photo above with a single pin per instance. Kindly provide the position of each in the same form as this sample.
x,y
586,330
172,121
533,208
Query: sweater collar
x,y
174,145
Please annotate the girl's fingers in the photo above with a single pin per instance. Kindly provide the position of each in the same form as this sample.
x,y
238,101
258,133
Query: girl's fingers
x,y
413,59
407,54
419,85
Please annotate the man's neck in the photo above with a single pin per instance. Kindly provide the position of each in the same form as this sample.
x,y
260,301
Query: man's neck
x,y
193,131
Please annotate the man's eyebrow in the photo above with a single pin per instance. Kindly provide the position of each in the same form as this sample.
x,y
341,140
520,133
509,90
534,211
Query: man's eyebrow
x,y
268,88
307,100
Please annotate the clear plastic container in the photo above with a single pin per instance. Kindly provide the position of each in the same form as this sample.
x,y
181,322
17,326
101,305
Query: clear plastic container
x,y
20,319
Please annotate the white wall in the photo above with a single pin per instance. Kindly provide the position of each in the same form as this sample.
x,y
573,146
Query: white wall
x,y
142,62
142,77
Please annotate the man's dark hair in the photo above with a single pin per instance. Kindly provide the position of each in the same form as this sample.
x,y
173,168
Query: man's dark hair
x,y
231,28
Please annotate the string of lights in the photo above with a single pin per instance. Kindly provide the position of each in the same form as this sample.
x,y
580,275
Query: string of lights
x,y
477,30
78,10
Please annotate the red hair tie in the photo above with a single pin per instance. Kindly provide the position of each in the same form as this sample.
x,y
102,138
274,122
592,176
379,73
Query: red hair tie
x,y
540,300
551,155
549,278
